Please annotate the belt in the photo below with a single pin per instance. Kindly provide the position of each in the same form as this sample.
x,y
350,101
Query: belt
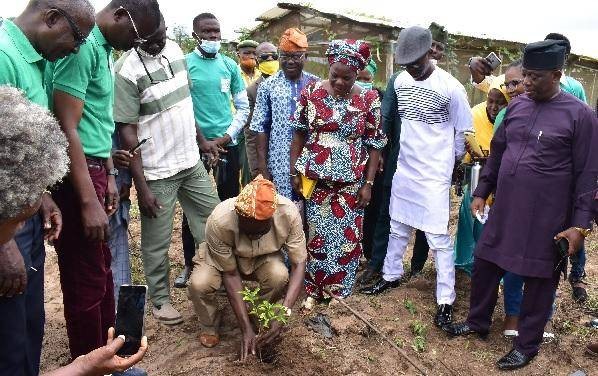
x,y
95,162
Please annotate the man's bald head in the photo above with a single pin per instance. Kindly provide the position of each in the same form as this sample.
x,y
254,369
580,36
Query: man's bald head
x,y
56,28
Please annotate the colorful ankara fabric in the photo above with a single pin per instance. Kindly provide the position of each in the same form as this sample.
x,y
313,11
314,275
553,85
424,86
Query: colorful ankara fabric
x,y
275,105
257,200
293,40
353,53
335,234
339,133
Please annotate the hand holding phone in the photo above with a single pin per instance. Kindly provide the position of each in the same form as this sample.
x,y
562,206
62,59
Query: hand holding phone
x,y
493,60
129,317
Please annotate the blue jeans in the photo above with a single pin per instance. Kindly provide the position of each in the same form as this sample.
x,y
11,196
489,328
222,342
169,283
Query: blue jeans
x,y
513,294
578,266
22,316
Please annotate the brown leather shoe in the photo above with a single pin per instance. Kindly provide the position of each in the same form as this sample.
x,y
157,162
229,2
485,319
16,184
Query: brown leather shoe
x,y
592,349
209,340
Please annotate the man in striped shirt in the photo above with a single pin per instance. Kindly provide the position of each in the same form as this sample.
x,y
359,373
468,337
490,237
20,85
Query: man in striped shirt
x,y
153,103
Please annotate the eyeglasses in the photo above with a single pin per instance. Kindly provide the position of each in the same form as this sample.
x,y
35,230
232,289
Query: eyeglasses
x,y
294,57
152,80
137,41
266,56
513,83
77,34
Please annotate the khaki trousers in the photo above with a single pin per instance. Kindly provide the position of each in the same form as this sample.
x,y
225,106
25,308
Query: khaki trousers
x,y
271,274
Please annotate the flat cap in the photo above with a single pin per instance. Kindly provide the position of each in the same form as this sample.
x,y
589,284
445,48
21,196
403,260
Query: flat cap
x,y
414,42
247,43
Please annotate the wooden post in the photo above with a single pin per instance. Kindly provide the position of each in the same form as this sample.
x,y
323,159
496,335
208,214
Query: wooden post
x,y
389,60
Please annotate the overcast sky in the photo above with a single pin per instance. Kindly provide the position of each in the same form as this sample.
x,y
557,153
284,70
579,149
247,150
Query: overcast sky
x,y
519,20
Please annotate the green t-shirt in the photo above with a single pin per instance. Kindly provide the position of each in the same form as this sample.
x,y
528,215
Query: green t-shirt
x,y
574,87
213,83
88,76
21,66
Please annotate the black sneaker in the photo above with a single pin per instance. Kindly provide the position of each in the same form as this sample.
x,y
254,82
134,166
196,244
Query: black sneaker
x,y
444,315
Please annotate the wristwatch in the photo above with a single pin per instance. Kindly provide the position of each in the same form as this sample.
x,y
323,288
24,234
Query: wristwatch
x,y
370,182
113,171
585,232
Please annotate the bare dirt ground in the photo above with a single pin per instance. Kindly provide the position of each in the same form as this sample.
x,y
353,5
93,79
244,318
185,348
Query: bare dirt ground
x,y
355,350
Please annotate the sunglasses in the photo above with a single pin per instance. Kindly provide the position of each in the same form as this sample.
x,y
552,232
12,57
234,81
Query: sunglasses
x,y
266,56
77,34
137,41
513,83
294,57
412,66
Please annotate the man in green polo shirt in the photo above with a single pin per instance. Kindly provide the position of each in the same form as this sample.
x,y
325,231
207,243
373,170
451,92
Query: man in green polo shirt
x,y
46,30
216,79
82,88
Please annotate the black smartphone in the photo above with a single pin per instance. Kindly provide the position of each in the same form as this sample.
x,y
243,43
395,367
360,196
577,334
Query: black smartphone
x,y
136,147
562,246
130,313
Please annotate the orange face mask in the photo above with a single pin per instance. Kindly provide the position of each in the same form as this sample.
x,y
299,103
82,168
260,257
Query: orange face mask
x,y
248,62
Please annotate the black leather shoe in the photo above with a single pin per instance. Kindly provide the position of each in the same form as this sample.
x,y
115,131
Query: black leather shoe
x,y
380,286
444,315
181,281
513,360
368,277
579,292
462,329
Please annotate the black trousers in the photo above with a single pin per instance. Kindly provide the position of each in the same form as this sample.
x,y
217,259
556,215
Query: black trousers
x,y
227,174
22,316
538,295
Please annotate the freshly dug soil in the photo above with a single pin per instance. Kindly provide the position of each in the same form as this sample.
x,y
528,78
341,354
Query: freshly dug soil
x,y
355,350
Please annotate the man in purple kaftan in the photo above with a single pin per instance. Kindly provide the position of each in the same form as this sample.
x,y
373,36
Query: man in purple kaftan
x,y
543,169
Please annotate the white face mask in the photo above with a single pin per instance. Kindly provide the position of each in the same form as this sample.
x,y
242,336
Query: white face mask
x,y
210,46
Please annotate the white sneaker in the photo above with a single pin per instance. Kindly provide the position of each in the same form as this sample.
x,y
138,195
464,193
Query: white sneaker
x,y
167,314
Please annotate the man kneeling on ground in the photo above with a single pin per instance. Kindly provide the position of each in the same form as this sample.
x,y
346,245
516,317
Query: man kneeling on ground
x,y
244,238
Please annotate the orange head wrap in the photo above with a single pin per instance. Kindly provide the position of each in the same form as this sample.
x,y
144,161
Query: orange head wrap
x,y
257,200
293,40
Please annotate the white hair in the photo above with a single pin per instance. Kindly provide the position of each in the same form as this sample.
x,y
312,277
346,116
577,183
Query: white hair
x,y
33,152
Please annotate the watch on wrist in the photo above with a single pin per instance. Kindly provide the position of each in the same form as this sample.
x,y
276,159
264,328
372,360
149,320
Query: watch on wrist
x,y
370,182
585,232
113,172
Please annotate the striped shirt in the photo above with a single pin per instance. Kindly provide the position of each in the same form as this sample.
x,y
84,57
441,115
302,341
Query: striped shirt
x,y
157,98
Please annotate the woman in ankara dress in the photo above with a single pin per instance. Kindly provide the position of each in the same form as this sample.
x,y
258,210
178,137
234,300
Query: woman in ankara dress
x,y
336,142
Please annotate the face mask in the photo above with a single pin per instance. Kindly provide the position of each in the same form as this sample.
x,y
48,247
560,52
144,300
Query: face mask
x,y
248,63
365,85
269,67
210,46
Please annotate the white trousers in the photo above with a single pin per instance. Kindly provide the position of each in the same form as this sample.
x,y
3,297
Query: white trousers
x,y
442,248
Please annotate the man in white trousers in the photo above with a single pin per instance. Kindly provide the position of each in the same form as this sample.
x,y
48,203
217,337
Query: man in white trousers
x,y
435,114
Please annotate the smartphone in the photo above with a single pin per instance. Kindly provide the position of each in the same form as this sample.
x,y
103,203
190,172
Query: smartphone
x,y
562,246
493,60
136,147
130,313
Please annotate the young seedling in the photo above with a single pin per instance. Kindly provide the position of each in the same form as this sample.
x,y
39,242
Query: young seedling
x,y
419,330
410,306
265,311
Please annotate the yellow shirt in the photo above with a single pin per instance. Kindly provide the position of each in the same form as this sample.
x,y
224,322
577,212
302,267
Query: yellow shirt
x,y
226,248
249,80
